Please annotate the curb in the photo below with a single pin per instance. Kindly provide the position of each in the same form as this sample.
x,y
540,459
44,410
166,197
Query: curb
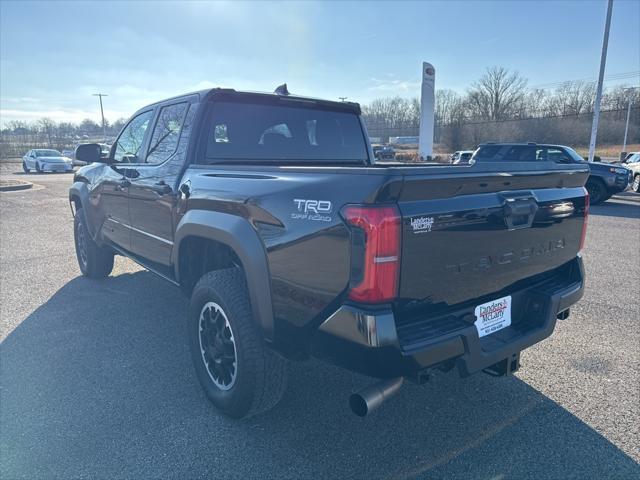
x,y
15,186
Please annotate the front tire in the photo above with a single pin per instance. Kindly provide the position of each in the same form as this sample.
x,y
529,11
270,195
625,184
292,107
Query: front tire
x,y
240,375
38,168
94,261
24,167
636,183
597,192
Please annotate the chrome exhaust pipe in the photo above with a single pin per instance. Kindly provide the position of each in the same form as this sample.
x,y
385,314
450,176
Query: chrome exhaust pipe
x,y
370,398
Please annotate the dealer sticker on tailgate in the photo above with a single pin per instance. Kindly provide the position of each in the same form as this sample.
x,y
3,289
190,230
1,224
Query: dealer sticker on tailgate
x,y
493,316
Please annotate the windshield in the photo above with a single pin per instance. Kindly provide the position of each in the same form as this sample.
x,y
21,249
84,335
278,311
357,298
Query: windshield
x,y
575,155
48,153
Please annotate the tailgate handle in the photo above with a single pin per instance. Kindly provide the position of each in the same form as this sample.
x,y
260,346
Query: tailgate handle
x,y
519,212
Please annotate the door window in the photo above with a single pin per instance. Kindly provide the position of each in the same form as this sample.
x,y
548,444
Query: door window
x,y
166,133
558,155
131,139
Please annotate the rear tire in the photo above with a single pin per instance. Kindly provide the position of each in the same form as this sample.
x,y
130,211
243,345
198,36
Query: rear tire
x,y
240,375
597,191
94,261
636,183
24,167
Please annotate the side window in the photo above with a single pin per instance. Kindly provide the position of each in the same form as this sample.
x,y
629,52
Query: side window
x,y
521,153
166,133
557,155
489,153
130,140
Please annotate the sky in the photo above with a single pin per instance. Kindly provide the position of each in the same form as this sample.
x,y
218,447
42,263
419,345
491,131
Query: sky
x,y
55,55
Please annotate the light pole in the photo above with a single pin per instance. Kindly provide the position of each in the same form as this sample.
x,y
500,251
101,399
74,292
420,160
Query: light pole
x,y
104,128
342,99
603,61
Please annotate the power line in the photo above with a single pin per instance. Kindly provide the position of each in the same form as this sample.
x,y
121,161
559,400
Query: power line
x,y
612,77
542,117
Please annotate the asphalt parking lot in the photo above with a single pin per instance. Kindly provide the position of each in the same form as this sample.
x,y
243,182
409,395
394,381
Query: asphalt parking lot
x,y
97,381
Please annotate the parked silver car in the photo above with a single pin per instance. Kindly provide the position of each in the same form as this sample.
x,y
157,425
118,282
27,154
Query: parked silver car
x,y
46,160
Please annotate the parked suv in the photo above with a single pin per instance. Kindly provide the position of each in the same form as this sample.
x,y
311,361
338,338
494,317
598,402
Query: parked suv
x,y
604,180
270,212
384,152
461,156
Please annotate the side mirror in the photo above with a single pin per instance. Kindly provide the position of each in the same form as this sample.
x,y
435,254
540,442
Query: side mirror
x,y
89,153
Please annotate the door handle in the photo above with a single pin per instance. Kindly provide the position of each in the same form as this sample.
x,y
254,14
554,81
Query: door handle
x,y
161,188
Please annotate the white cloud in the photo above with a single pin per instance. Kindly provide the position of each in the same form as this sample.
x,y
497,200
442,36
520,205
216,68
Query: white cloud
x,y
391,85
74,116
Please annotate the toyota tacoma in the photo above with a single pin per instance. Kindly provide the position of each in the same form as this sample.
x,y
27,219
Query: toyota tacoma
x,y
270,212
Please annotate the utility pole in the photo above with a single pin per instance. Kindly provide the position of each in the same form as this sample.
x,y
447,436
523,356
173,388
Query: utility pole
x,y
603,61
104,128
626,128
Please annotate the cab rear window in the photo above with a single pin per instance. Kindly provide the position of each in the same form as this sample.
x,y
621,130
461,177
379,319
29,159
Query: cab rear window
x,y
524,153
511,153
259,132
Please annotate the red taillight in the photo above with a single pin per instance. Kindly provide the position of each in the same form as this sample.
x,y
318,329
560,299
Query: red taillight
x,y
586,217
378,277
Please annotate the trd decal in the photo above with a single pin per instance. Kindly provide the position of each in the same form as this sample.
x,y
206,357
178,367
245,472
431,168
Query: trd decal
x,y
316,210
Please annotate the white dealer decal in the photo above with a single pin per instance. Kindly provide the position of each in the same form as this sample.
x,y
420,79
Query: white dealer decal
x,y
493,316
316,210
421,224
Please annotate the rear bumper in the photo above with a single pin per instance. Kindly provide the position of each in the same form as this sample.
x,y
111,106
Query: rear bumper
x,y
376,343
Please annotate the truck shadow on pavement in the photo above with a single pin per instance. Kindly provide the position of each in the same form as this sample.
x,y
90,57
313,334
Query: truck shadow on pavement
x,y
624,205
98,382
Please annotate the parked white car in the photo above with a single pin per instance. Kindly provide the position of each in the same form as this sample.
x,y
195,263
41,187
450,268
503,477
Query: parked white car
x,y
46,160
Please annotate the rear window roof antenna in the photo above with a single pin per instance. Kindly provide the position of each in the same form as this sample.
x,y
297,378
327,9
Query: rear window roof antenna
x,y
281,90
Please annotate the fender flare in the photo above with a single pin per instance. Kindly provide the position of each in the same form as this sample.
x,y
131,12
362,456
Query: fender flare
x,y
79,190
238,234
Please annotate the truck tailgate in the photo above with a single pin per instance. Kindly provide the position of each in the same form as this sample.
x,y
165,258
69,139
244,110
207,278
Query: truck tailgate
x,y
469,235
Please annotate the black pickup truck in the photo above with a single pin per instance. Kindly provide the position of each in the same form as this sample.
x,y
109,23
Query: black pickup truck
x,y
270,212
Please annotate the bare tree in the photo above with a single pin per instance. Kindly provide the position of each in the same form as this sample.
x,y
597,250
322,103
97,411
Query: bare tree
x,y
46,126
575,98
498,94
